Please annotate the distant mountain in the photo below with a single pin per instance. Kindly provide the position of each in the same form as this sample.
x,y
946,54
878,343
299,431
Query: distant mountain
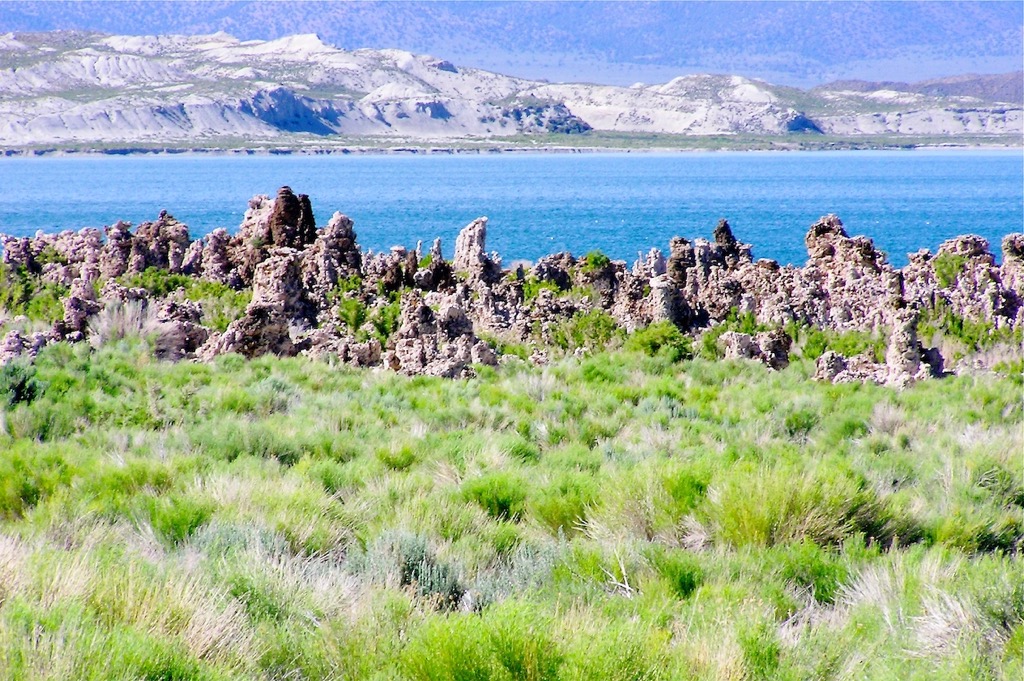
x,y
1004,87
72,88
793,43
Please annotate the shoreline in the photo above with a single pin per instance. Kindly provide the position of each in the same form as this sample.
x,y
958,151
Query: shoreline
x,y
443,150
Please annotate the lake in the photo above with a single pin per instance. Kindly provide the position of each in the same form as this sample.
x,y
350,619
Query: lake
x,y
543,203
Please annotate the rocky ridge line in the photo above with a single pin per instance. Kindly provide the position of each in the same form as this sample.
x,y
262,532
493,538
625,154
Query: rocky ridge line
x,y
315,292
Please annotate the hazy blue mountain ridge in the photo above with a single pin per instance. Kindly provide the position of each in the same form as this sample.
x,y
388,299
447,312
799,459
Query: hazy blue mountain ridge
x,y
794,43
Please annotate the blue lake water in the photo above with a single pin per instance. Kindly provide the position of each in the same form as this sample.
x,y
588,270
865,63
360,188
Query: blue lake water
x,y
544,203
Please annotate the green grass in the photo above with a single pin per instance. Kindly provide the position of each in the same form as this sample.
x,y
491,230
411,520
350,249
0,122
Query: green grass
x,y
625,514
24,293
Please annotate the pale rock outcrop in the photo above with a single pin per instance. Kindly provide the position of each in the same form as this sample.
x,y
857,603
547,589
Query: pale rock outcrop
x,y
324,343
117,251
771,348
850,276
286,221
278,311
294,270
215,262
651,265
977,291
161,244
278,285
556,269
906,360
80,304
471,256
16,345
390,271
181,330
438,273
331,257
435,343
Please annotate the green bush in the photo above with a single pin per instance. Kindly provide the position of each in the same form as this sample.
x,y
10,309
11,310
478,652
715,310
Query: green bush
x,y
505,642
770,507
397,458
385,320
176,518
680,570
532,288
562,503
848,343
502,495
948,268
586,330
23,293
352,313
617,651
520,448
808,566
221,303
159,282
595,261
661,338
761,651
28,477
18,384
973,335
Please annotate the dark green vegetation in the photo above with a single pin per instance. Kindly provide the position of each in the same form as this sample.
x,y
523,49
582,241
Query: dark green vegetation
x,y
632,514
298,143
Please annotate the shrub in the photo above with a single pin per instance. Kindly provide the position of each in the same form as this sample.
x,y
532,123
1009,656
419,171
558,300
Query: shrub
x,y
661,338
221,304
808,566
982,531
176,518
595,261
119,321
520,448
532,288
453,648
346,285
679,569
602,369
352,313
618,650
848,343
18,384
23,293
502,495
765,508
586,330
973,335
28,477
507,641
385,320
407,560
948,267
397,458
761,651
562,503
159,282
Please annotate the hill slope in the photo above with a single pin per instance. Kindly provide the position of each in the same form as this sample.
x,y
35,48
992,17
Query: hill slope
x,y
68,88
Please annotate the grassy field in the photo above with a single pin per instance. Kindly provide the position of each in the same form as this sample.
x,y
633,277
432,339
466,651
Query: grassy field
x,y
616,516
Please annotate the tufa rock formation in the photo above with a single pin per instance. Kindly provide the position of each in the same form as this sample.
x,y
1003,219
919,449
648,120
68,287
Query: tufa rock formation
x,y
315,292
